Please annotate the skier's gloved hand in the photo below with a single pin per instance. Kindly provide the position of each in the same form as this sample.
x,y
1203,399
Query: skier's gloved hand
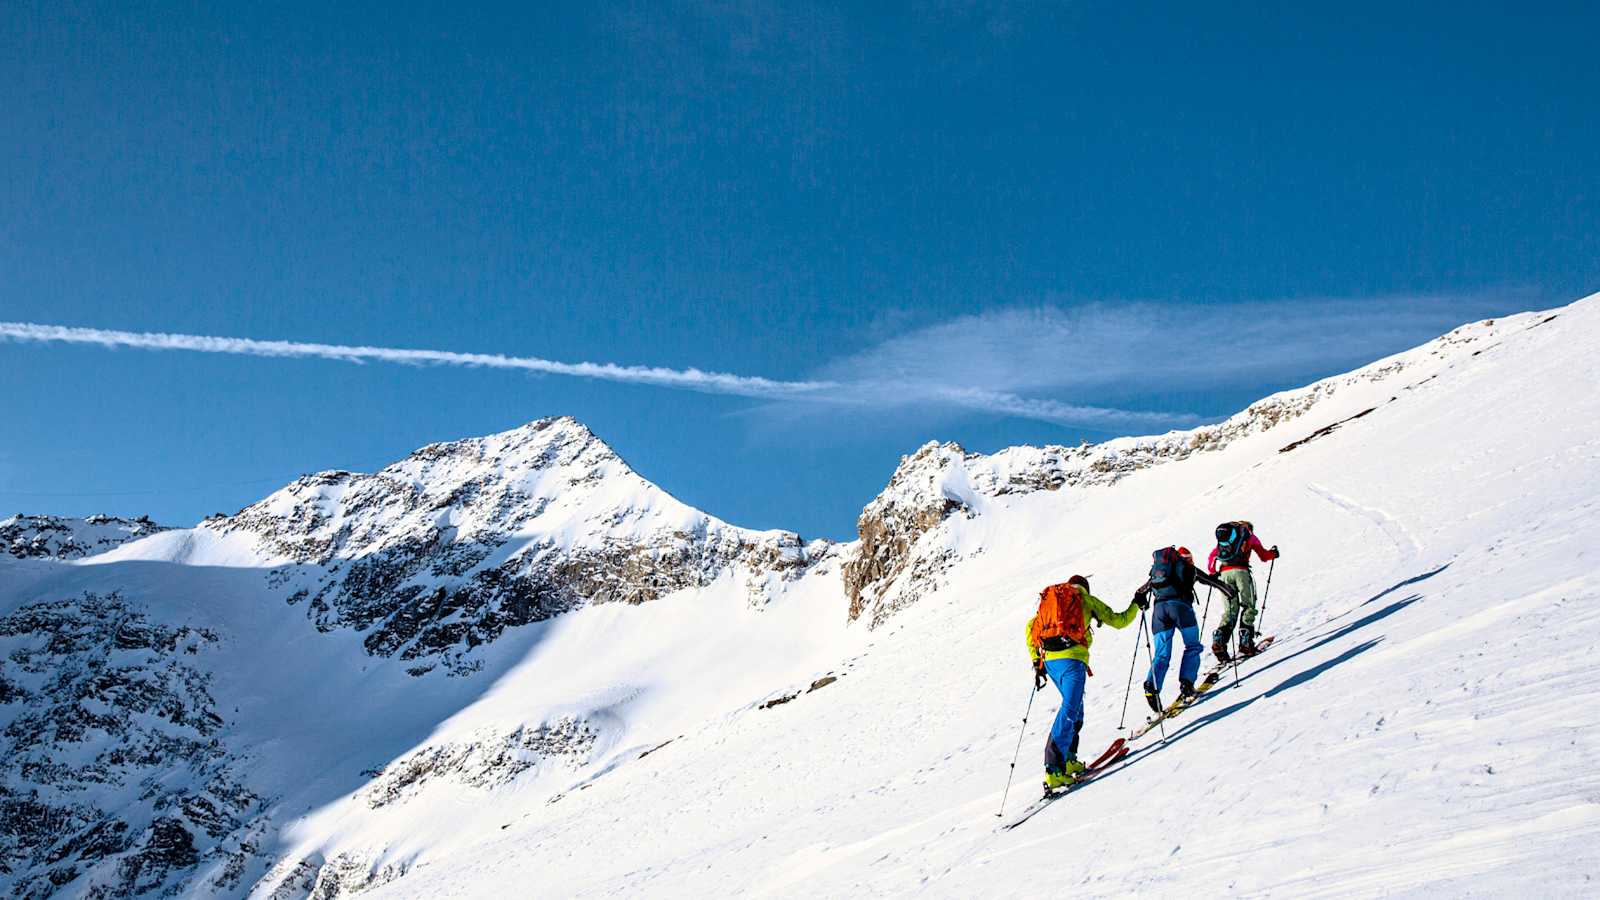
x,y
1140,601
1038,678
1276,552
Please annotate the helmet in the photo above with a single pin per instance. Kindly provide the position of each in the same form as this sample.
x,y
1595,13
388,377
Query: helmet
x,y
1080,581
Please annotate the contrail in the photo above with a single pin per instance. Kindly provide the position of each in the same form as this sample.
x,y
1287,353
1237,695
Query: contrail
x,y
690,379
840,393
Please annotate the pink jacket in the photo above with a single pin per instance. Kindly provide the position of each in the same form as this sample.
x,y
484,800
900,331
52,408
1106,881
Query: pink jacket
x,y
1255,544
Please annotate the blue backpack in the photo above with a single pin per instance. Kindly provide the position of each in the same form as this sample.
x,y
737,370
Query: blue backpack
x,y
1233,543
1167,580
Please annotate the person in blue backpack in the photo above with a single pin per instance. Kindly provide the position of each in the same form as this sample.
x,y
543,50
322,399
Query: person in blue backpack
x,y
1170,591
1230,561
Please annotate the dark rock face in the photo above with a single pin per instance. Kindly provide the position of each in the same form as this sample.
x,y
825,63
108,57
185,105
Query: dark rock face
x,y
913,504
54,537
103,708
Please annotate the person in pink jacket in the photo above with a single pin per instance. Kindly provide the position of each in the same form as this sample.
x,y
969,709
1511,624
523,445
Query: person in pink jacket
x,y
1230,562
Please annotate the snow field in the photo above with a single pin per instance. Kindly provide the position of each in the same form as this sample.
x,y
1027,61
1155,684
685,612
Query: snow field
x,y
1424,722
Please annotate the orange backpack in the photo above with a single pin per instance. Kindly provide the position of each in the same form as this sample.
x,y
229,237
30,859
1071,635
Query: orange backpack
x,y
1060,622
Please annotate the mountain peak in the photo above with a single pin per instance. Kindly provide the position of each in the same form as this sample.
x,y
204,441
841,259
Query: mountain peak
x,y
540,444
534,477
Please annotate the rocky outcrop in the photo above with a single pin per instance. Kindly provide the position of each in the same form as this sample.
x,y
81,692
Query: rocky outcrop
x,y
316,878
56,537
351,873
486,760
928,487
114,781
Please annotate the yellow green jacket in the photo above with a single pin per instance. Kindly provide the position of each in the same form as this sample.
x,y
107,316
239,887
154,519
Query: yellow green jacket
x,y
1094,610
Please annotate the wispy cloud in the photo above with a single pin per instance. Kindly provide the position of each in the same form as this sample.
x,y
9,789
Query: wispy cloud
x,y
1092,359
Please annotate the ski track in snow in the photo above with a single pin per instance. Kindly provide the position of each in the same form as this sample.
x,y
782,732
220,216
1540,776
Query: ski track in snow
x,y
1405,543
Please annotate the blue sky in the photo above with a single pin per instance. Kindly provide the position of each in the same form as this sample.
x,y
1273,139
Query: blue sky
x,y
972,220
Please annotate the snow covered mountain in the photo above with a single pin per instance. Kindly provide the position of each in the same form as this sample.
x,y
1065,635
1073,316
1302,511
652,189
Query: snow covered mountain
x,y
421,682
168,701
442,551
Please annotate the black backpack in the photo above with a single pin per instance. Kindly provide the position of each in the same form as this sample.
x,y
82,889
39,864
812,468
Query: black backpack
x,y
1233,543
1167,580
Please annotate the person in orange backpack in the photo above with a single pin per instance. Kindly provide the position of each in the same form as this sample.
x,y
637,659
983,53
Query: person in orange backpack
x,y
1059,636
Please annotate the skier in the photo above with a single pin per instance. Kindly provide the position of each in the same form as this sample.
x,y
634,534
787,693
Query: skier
x,y
1171,588
1059,636
1235,542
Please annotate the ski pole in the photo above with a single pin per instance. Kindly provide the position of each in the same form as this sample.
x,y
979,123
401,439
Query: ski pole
x,y
1265,594
1015,756
1207,611
1161,719
1133,662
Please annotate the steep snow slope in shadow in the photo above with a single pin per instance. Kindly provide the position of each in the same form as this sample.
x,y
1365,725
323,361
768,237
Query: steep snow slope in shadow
x,y
1425,719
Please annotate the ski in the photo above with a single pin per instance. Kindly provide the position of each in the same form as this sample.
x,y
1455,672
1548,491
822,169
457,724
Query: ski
x,y
1206,683
1115,752
1156,719
1215,675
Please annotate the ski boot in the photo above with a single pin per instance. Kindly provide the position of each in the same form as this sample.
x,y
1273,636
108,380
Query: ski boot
x,y
1186,689
1220,648
1247,643
1055,781
1152,696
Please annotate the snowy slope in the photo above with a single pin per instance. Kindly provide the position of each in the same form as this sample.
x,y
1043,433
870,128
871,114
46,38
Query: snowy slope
x,y
334,692
1422,724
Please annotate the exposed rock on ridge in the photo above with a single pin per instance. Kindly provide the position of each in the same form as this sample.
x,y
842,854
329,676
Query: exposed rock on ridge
x,y
56,537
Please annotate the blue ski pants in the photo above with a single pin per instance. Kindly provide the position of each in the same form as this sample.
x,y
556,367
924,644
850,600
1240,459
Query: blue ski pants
x,y
1062,744
1170,616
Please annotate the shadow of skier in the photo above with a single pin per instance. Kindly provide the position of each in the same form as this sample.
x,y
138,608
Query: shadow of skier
x,y
1319,642
1355,626
1407,583
1293,681
1375,598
